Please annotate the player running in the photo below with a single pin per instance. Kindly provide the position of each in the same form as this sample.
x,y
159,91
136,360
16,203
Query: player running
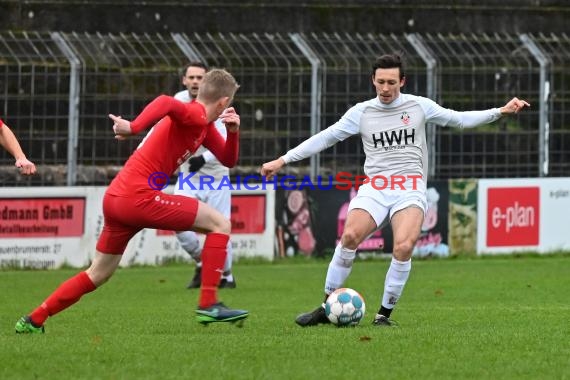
x,y
134,201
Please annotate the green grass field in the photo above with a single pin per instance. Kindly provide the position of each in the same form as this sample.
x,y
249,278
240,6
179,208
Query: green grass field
x,y
496,318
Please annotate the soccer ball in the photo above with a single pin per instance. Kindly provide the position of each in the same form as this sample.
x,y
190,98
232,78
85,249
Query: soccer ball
x,y
345,307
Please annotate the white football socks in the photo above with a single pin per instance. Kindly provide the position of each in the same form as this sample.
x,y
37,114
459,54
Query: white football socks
x,y
339,268
396,278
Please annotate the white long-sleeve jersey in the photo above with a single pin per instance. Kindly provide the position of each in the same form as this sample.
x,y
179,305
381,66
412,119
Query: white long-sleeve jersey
x,y
212,167
393,135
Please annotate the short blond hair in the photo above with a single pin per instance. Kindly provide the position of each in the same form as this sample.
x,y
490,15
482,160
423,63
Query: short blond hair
x,y
217,83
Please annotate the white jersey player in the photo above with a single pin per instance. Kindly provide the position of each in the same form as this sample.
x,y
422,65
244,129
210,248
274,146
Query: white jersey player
x,y
204,169
392,128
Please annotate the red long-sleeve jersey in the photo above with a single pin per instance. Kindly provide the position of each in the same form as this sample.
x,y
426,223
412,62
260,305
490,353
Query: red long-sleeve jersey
x,y
179,130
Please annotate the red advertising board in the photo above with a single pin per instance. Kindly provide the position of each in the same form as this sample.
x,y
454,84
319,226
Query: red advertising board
x,y
247,215
42,217
513,215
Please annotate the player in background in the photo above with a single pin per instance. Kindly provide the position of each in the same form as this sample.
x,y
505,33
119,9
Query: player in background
x,y
392,128
10,143
206,166
134,199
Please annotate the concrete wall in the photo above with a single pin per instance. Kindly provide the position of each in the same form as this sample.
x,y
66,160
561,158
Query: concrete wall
x,y
379,16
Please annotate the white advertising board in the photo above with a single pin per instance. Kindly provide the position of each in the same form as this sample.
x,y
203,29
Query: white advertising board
x,y
46,228
528,214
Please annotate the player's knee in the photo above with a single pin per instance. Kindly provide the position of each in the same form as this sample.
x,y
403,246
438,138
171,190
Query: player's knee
x,y
223,226
403,249
350,239
227,226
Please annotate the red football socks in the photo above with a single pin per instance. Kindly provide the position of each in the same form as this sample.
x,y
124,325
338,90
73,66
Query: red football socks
x,y
64,296
213,259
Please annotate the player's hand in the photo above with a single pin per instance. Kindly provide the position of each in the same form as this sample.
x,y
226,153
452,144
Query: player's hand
x,y
514,106
121,127
26,166
269,169
196,163
231,120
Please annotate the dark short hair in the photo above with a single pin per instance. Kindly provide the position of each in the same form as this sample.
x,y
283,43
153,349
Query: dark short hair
x,y
194,64
389,61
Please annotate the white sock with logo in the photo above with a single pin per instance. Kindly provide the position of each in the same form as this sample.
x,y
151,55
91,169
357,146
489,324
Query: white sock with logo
x,y
339,268
396,278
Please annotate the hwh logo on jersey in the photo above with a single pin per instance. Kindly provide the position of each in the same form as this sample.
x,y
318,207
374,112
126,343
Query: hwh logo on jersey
x,y
394,137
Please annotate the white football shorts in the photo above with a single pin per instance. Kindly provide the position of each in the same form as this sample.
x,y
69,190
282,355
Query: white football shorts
x,y
381,204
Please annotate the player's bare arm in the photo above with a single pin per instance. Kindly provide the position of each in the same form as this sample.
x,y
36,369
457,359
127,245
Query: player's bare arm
x,y
26,166
515,105
9,141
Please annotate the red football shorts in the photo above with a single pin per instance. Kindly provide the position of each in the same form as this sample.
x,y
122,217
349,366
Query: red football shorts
x,y
125,216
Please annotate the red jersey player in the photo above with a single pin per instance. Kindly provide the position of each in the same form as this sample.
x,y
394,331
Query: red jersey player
x,y
133,201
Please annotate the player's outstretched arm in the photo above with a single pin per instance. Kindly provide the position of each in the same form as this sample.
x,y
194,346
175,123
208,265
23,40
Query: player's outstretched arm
x,y
269,169
515,105
157,109
470,119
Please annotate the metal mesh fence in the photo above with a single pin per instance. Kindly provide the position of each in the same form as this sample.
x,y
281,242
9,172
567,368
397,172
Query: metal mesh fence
x,y
120,74
275,84
35,86
347,69
291,86
481,72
